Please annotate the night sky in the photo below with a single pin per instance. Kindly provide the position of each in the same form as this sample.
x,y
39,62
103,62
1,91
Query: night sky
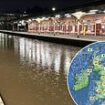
x,y
24,4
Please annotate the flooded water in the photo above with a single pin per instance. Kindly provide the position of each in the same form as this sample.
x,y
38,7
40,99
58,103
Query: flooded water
x,y
34,72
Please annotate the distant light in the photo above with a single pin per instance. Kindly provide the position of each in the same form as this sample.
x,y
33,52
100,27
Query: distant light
x,y
33,19
38,20
15,22
91,13
22,22
29,20
67,15
79,14
53,9
57,16
95,10
43,18
10,37
24,12
19,24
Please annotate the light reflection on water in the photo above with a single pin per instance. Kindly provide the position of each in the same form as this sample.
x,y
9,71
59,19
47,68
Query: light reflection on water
x,y
46,56
36,70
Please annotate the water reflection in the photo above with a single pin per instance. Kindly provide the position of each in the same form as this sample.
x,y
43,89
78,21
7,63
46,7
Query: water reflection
x,y
34,72
46,56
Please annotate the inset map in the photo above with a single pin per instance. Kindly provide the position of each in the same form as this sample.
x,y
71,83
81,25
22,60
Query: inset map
x,y
86,78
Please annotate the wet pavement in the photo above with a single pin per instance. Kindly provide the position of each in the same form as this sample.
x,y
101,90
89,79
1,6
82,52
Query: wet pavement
x,y
34,72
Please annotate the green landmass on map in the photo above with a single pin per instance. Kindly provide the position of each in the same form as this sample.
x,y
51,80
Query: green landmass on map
x,y
82,79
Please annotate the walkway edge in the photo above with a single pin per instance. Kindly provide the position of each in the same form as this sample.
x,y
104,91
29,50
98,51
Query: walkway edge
x,y
55,39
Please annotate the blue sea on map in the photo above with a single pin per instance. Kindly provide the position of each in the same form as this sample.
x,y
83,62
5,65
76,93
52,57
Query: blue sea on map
x,y
86,78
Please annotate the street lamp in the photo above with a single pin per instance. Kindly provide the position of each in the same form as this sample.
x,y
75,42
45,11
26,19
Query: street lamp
x,y
78,15
53,9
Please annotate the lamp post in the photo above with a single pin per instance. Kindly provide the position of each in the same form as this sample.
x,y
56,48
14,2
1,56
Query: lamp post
x,y
39,20
54,9
39,26
78,15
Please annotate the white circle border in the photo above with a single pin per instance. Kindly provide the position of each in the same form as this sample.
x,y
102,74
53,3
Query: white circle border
x,y
71,64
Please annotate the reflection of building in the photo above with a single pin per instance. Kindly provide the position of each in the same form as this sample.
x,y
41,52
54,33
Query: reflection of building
x,y
43,56
39,54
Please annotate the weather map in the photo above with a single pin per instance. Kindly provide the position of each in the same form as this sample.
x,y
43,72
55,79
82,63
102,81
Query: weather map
x,y
86,78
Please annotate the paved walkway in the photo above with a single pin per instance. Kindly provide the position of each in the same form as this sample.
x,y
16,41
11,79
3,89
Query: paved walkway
x,y
80,37
90,38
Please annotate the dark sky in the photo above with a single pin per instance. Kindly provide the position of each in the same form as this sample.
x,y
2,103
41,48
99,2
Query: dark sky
x,y
17,4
